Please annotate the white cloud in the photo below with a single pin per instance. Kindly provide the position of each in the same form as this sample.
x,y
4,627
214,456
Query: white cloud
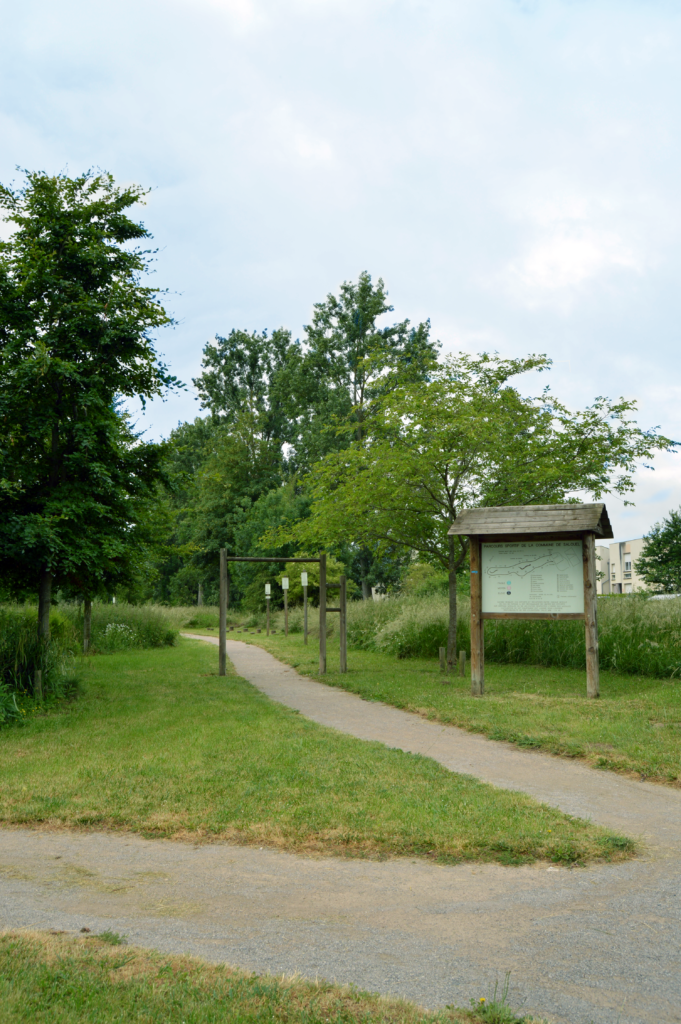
x,y
553,267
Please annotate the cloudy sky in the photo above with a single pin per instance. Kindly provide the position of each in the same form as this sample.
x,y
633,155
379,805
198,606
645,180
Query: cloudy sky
x,y
509,167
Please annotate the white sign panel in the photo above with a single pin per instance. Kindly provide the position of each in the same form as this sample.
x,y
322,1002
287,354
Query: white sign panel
x,y
533,576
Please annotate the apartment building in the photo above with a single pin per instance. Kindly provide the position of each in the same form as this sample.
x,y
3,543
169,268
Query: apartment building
x,y
616,562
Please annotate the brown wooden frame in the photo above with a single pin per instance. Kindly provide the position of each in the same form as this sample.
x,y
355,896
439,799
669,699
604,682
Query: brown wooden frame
x,y
543,517
323,588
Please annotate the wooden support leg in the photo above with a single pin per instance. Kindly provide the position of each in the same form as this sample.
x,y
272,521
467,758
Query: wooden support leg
x,y
590,615
322,612
343,625
222,658
477,623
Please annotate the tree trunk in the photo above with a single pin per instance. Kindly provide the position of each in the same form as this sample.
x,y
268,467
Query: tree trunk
x,y
451,637
366,590
87,623
44,602
199,600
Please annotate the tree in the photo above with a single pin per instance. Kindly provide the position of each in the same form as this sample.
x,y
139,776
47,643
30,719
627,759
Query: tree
x,y
465,437
660,561
348,362
242,374
75,337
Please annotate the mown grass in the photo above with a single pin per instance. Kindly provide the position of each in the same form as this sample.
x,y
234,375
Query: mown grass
x,y
160,745
634,727
65,980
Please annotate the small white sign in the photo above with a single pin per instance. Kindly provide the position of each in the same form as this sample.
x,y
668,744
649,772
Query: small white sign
x,y
303,579
524,577
284,583
268,589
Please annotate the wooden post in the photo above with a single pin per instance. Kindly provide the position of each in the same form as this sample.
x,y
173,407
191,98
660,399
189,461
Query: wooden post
x,y
199,599
305,614
222,659
477,622
462,663
87,623
590,614
286,613
443,659
322,612
343,625
267,599
38,684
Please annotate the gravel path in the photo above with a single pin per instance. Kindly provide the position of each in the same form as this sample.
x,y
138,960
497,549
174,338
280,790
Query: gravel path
x,y
600,944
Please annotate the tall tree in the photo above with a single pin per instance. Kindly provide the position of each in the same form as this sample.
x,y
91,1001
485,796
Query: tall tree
x,y
465,437
75,336
660,561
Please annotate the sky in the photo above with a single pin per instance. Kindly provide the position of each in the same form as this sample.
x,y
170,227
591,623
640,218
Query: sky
x,y
510,168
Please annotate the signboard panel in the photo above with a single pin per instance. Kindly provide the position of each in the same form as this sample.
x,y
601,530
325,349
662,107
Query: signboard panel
x,y
521,577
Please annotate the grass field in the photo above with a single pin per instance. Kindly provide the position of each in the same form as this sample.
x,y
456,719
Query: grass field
x,y
635,726
64,980
159,744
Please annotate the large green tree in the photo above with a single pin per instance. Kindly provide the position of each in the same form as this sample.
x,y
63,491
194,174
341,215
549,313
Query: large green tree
x,y
462,437
76,326
660,561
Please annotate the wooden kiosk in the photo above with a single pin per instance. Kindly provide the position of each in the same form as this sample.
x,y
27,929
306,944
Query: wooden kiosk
x,y
533,562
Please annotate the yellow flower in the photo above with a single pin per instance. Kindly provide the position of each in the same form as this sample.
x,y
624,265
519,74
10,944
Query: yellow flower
x,y
482,999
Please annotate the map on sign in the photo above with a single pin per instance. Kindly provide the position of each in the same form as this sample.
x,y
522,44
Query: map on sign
x,y
521,577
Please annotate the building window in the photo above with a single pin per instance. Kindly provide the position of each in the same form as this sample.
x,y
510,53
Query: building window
x,y
627,575
627,565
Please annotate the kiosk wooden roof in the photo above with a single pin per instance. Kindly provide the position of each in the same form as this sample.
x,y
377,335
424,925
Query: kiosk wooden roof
x,y
508,520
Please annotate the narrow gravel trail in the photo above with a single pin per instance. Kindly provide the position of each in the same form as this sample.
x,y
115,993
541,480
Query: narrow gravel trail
x,y
601,944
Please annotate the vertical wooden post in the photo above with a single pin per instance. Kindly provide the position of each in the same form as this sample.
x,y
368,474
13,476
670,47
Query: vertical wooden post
x,y
222,658
477,622
590,615
305,614
286,613
38,684
322,611
199,598
267,601
343,625
443,659
462,663
87,623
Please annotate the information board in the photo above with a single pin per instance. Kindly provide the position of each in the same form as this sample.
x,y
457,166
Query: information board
x,y
521,577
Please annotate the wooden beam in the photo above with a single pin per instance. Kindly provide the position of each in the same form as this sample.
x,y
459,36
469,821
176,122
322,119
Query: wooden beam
x,y
343,625
590,615
322,612
532,615
222,655
477,623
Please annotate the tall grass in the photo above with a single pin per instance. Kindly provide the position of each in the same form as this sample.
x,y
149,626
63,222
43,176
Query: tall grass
x,y
22,654
119,627
637,636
